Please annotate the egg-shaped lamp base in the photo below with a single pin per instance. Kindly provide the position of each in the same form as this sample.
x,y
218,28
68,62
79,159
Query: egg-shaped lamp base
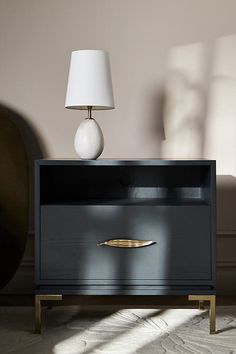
x,y
89,141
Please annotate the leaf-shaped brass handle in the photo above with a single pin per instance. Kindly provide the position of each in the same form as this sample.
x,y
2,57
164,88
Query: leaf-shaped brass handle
x,y
126,243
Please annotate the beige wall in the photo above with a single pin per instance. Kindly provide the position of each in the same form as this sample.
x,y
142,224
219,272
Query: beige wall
x,y
174,79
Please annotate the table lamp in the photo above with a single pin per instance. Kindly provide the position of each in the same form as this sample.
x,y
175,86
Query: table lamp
x,y
89,88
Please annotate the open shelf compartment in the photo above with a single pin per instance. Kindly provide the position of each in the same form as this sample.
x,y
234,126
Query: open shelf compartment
x,y
123,185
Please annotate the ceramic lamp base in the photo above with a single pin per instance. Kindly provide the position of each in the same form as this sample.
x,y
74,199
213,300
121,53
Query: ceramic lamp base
x,y
89,141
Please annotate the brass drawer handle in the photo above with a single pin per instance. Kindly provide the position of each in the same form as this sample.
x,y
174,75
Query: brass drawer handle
x,y
126,243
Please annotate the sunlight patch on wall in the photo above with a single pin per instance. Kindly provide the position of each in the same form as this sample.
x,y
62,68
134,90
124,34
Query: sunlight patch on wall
x,y
184,104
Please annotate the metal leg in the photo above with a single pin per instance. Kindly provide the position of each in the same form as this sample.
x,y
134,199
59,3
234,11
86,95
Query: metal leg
x,y
38,311
201,305
38,315
212,310
213,315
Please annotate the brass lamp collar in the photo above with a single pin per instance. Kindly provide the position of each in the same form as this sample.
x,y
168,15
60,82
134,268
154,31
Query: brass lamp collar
x,y
89,112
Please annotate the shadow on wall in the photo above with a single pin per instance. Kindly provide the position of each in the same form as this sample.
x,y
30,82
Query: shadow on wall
x,y
226,235
156,130
183,117
19,147
34,147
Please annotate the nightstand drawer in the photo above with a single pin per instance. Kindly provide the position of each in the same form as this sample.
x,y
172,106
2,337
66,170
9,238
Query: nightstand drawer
x,y
180,248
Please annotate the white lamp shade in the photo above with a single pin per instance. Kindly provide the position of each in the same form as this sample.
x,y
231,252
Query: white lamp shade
x,y
89,82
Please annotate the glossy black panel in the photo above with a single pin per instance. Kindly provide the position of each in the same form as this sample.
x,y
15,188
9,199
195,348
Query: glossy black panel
x,y
82,203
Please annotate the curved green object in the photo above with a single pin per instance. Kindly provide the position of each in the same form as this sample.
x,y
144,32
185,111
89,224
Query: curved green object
x,y
14,196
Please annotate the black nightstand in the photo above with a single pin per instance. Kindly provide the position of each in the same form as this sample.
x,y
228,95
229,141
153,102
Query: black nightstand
x,y
125,227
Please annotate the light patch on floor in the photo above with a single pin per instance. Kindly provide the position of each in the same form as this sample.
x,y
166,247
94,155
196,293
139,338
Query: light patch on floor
x,y
68,330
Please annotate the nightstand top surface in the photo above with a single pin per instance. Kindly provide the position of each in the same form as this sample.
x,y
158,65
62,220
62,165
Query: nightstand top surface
x,y
122,162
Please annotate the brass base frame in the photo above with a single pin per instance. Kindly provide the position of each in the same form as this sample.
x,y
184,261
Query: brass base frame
x,y
38,310
200,298
212,309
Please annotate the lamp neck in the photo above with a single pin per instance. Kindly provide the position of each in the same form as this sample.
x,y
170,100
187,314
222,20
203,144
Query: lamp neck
x,y
89,112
